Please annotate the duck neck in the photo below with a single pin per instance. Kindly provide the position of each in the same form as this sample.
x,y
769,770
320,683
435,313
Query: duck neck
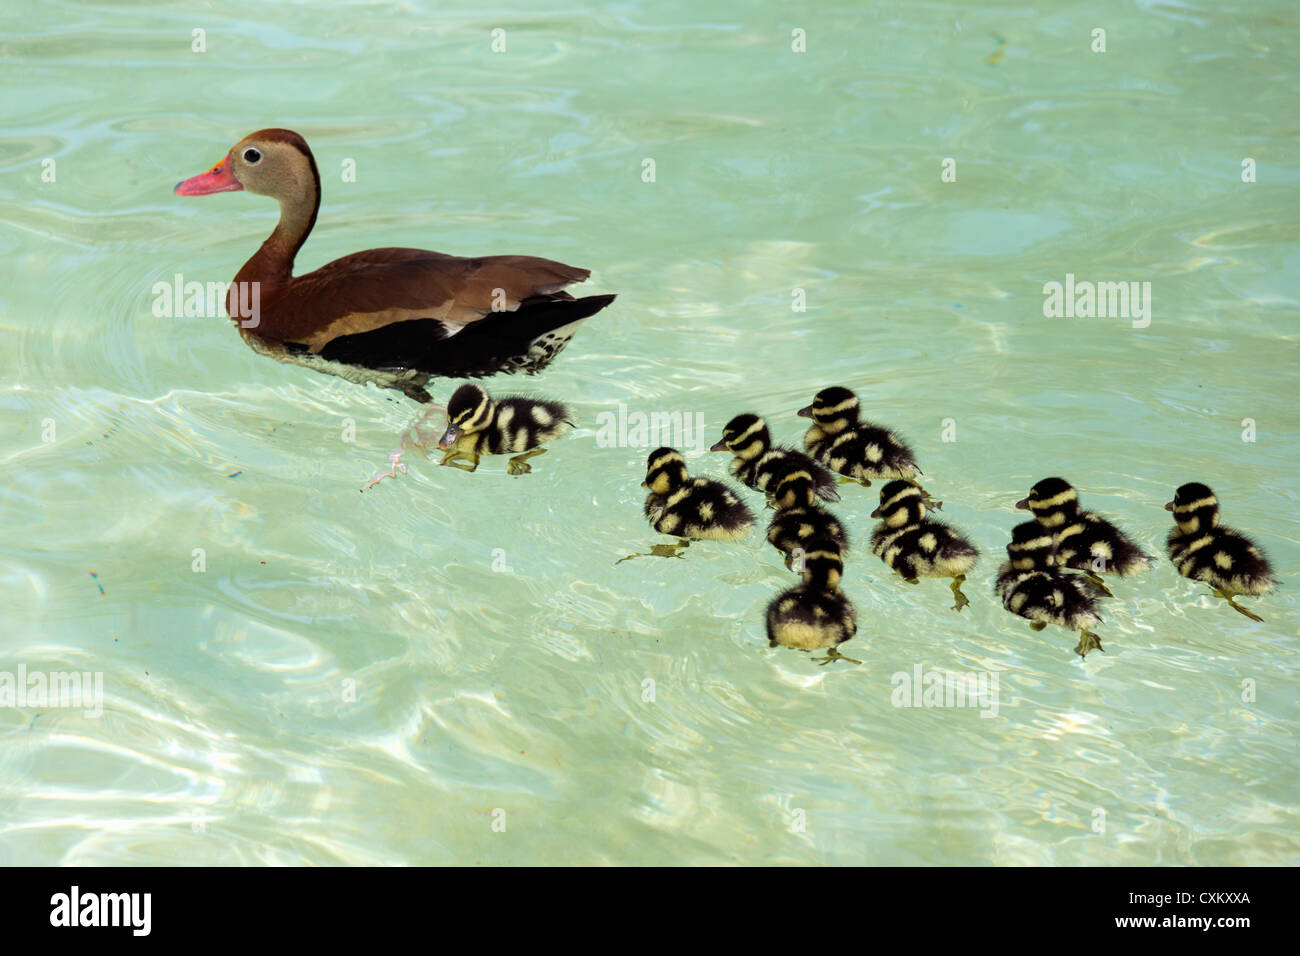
x,y
272,265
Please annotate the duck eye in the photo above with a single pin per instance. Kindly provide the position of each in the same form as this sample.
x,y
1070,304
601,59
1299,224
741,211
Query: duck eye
x,y
252,156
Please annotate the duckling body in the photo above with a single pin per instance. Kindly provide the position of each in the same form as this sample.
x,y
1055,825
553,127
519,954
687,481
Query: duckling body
x,y
478,425
857,449
808,618
696,508
1083,540
1031,587
916,546
760,464
800,524
816,615
1222,557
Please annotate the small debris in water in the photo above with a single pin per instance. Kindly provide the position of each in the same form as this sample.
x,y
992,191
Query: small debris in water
x,y
995,57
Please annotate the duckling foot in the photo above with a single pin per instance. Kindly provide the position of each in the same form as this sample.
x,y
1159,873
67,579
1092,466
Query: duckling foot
x,y
517,465
847,480
1088,641
395,465
1228,597
415,435
1098,584
451,456
834,655
660,551
1037,625
958,597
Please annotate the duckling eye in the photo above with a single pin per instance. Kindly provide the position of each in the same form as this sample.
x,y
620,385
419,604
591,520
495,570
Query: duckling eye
x,y
252,156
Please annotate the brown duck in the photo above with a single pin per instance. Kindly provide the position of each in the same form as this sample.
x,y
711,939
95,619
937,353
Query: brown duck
x,y
395,317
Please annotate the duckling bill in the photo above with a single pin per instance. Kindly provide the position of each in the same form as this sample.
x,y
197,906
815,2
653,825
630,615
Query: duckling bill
x,y
1222,557
691,508
477,425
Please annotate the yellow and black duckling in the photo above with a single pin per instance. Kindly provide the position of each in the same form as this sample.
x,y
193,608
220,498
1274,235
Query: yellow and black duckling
x,y
816,615
1204,550
477,425
800,524
759,463
691,508
1031,586
916,546
1084,540
857,449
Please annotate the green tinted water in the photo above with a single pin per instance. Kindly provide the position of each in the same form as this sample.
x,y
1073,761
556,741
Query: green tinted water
x,y
394,676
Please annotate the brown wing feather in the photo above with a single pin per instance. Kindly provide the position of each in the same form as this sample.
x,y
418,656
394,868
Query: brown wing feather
x,y
368,290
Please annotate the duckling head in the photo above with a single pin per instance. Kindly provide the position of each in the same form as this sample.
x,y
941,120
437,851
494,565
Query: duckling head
x,y
745,436
794,489
470,410
1195,508
902,503
1031,547
833,409
1053,502
822,565
665,471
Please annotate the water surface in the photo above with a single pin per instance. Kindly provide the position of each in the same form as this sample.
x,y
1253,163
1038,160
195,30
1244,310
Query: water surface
x,y
382,677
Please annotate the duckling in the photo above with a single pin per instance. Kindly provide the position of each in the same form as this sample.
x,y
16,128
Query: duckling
x,y
916,546
816,614
1032,587
759,463
477,425
1204,550
1084,540
800,522
857,449
822,564
691,508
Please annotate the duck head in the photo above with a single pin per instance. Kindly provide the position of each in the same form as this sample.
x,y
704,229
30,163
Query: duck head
x,y
833,409
1031,548
665,471
271,162
470,410
794,489
745,436
821,564
1195,508
1053,502
902,503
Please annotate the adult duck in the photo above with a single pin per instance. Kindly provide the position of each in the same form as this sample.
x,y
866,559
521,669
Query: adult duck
x,y
394,317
